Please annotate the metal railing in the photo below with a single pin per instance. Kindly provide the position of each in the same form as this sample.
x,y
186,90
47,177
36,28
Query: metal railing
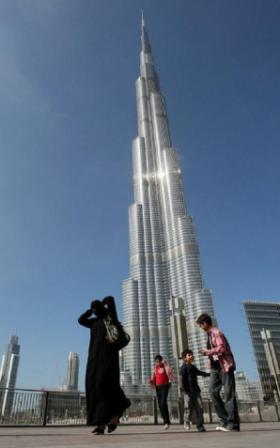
x,y
27,407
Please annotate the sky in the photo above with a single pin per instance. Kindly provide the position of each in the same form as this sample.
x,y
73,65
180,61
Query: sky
x,y
67,119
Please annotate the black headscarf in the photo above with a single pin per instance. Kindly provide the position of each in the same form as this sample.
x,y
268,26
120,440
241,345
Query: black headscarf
x,y
99,309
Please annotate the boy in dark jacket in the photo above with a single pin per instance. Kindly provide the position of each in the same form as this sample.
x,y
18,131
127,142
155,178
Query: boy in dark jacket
x,y
192,398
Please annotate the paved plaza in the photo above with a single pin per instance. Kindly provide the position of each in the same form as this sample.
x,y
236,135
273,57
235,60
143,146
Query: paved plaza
x,y
252,435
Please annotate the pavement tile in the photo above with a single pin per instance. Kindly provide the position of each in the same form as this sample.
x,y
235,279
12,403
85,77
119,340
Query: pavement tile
x,y
252,435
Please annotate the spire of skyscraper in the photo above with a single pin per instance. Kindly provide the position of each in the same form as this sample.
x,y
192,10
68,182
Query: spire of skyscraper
x,y
164,256
146,47
142,18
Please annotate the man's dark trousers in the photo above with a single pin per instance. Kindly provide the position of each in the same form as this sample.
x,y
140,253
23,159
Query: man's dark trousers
x,y
162,394
226,410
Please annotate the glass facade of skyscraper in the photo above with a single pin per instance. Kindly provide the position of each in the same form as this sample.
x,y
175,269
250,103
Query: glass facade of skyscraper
x,y
73,371
8,375
264,315
164,254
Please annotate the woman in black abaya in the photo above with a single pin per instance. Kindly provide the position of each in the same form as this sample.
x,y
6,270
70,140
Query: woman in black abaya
x,y
105,399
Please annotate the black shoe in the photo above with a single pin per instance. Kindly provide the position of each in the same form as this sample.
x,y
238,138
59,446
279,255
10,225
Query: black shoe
x,y
201,429
99,430
111,427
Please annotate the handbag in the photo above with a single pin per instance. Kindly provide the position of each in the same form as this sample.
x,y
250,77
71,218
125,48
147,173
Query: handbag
x,y
116,334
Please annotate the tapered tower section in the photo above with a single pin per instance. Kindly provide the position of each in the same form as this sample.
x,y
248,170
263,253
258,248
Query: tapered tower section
x,y
164,256
8,376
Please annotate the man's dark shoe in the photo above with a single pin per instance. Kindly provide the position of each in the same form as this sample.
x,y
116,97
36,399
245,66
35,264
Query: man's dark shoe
x,y
201,429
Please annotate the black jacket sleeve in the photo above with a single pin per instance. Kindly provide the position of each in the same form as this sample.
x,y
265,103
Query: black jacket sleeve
x,y
184,382
200,373
84,319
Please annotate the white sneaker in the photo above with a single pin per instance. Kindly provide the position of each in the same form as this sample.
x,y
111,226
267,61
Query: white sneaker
x,y
187,426
220,427
225,429
166,426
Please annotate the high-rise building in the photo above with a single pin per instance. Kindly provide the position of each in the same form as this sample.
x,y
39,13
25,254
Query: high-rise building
x,y
247,390
72,372
255,390
164,255
264,316
242,386
8,375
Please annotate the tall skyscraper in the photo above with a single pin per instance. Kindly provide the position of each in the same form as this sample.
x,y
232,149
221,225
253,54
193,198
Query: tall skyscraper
x,y
8,375
164,255
242,386
264,316
72,372
245,389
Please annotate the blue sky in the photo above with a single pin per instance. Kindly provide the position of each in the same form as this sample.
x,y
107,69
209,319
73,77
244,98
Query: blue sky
x,y
67,119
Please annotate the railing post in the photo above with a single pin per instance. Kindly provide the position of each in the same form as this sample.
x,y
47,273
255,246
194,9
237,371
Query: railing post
x,y
45,413
155,411
210,411
277,411
181,410
259,411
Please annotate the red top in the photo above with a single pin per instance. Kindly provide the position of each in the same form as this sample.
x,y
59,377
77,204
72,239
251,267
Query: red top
x,y
161,377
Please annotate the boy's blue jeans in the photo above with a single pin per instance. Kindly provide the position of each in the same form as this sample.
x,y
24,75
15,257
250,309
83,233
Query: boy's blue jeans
x,y
193,411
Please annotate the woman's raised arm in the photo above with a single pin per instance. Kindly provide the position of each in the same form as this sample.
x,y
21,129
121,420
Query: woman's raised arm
x,y
84,319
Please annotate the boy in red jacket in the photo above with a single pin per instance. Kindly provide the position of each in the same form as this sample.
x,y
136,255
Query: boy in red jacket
x,y
161,379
